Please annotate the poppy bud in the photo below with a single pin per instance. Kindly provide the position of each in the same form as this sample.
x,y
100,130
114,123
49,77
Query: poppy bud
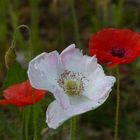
x,y
10,57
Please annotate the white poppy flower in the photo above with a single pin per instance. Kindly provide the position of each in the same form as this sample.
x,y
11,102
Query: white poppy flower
x,y
77,82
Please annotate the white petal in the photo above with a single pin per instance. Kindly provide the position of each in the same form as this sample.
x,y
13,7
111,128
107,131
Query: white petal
x,y
95,77
61,98
43,72
69,48
100,88
81,104
92,67
84,64
55,115
74,60
71,58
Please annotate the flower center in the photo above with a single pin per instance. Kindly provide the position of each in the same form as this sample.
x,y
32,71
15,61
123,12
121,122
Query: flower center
x,y
72,83
72,87
119,52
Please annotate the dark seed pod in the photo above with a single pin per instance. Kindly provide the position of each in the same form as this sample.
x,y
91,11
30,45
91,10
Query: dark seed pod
x,y
10,57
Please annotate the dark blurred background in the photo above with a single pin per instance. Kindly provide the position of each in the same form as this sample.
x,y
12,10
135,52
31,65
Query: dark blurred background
x,y
54,25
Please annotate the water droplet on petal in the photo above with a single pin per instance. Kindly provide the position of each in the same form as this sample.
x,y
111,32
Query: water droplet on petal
x,y
42,74
35,66
98,102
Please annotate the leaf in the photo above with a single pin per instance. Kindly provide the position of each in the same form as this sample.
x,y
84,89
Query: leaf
x,y
16,74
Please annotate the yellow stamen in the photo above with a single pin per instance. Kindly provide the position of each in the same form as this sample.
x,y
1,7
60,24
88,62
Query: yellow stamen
x,y
72,87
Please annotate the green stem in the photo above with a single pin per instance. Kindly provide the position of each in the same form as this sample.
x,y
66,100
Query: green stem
x,y
72,128
75,22
117,104
28,111
34,121
26,129
34,24
16,32
23,123
34,117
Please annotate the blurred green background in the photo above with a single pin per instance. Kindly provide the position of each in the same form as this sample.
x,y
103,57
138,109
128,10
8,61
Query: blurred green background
x,y
54,25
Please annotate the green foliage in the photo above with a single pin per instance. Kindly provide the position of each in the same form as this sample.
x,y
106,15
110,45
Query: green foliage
x,y
16,74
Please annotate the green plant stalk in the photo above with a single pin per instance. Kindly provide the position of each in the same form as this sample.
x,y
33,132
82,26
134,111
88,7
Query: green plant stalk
x,y
118,14
13,10
72,128
3,25
26,129
3,38
34,118
34,122
16,32
34,26
117,105
75,23
23,124
106,12
10,55
30,52
27,116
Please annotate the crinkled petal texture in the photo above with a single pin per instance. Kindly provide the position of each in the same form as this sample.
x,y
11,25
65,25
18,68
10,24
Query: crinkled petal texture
x,y
56,115
105,44
21,95
45,71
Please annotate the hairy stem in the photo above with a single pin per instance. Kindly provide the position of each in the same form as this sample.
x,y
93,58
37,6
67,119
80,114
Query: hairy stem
x,y
75,22
117,104
72,128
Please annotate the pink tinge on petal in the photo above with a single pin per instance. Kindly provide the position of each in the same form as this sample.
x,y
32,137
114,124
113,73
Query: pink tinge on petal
x,y
44,70
71,58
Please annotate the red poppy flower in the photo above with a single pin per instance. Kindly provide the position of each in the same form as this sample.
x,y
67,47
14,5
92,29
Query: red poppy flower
x,y
115,46
21,95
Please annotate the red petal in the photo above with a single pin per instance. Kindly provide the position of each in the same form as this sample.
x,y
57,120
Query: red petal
x,y
22,95
103,41
4,102
18,91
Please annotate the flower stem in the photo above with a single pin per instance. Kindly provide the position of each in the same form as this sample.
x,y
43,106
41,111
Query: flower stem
x,y
26,129
72,128
16,31
27,117
117,104
75,22
23,123
35,117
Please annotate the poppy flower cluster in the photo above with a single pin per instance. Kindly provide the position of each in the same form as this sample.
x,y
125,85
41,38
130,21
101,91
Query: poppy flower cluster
x,y
115,46
77,82
21,95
